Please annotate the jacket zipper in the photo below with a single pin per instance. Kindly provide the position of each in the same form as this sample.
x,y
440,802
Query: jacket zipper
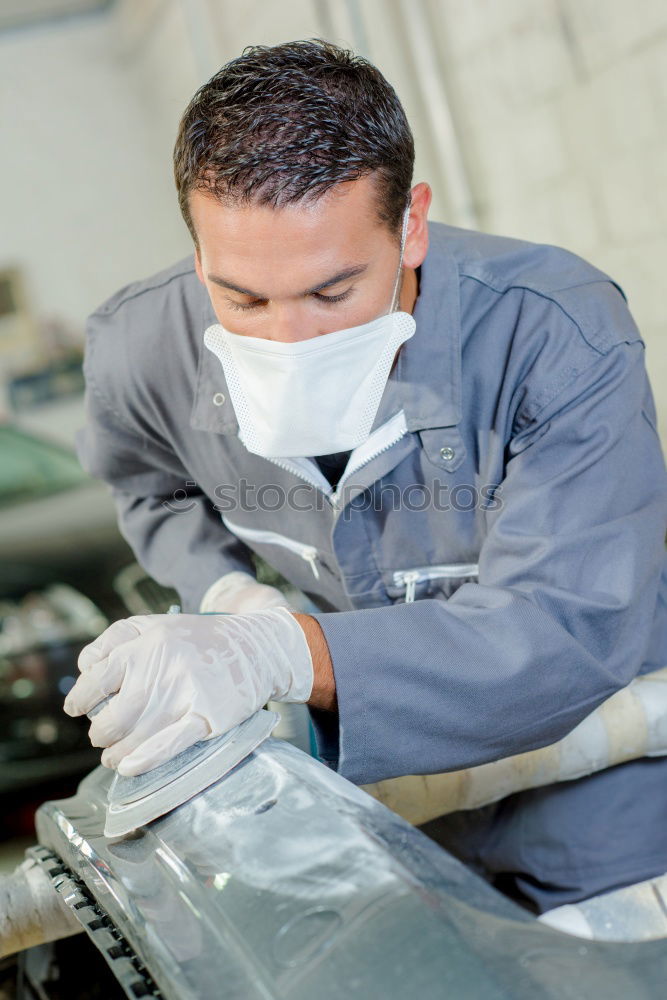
x,y
409,578
307,552
381,440
385,437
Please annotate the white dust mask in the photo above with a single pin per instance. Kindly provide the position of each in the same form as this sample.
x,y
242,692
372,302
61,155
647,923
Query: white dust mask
x,y
316,396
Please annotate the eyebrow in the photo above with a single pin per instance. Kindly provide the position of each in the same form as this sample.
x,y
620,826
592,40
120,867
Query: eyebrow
x,y
349,272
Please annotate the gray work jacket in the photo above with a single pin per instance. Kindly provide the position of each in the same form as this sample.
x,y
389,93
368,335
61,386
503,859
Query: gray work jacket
x,y
492,564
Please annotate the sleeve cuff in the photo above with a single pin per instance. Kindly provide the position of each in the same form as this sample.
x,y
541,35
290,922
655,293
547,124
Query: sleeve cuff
x,y
325,727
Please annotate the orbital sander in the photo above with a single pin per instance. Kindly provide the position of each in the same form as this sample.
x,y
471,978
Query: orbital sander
x,y
134,801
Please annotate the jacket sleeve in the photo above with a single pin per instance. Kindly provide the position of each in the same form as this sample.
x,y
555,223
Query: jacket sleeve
x,y
560,619
171,526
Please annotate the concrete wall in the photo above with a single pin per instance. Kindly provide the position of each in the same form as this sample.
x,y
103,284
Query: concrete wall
x,y
561,112
86,203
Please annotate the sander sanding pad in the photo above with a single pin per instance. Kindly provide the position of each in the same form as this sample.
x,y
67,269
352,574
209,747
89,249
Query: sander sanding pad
x,y
136,801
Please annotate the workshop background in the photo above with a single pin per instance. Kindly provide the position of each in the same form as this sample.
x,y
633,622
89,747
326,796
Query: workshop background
x,y
539,119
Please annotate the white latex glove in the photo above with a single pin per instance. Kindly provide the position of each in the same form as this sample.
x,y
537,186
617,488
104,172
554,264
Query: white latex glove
x,y
184,678
239,592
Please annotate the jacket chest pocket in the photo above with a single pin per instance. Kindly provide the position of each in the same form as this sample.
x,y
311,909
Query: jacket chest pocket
x,y
441,580
259,537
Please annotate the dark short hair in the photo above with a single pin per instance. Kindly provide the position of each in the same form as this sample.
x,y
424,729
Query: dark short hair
x,y
285,123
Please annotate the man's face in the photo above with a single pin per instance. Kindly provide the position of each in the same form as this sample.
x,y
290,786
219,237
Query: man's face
x,y
307,269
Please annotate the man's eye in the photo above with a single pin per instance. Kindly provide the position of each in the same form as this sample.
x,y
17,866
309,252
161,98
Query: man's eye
x,y
257,303
246,305
332,298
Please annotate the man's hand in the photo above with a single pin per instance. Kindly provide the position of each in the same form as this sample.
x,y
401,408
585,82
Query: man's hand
x,y
236,593
183,678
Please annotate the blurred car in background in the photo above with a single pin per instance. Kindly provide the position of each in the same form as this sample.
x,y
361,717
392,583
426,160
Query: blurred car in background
x,y
65,573
41,636
55,521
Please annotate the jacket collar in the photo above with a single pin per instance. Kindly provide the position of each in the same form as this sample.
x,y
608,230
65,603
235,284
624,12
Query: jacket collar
x,y
212,408
425,382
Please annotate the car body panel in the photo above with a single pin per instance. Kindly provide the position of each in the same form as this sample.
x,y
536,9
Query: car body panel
x,y
284,880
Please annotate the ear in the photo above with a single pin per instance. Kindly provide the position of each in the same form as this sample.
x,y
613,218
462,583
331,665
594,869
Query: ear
x,y
416,243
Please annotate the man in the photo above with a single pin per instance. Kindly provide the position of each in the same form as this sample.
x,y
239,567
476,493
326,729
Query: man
x,y
445,439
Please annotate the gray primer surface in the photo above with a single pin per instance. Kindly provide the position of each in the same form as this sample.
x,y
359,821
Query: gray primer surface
x,y
284,880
